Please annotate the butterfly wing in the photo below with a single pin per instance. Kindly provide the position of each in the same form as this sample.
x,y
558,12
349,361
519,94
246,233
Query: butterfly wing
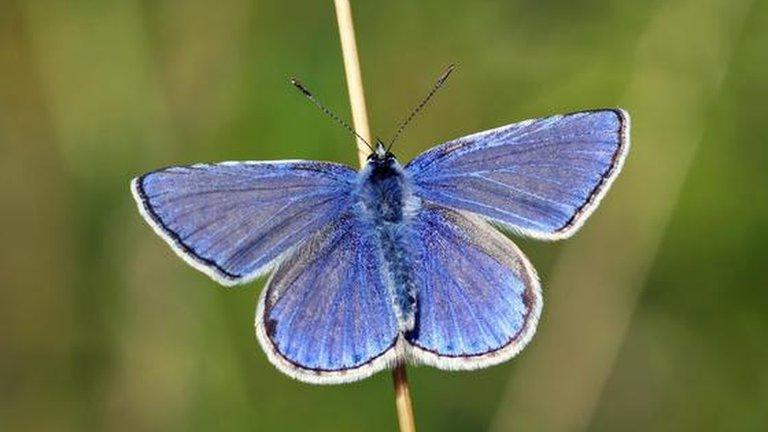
x,y
326,315
541,178
479,298
233,220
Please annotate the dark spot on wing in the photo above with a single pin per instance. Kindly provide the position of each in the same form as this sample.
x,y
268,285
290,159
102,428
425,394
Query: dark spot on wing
x,y
528,299
271,327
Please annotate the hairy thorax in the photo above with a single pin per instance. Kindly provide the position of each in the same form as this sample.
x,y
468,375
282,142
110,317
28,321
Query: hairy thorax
x,y
386,201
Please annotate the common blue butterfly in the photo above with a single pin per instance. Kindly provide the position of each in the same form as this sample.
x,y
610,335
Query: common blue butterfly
x,y
392,263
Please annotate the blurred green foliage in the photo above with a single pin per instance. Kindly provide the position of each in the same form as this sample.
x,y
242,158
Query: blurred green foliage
x,y
103,328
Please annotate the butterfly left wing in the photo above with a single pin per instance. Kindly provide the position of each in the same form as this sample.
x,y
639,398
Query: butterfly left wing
x,y
234,220
478,297
541,178
326,315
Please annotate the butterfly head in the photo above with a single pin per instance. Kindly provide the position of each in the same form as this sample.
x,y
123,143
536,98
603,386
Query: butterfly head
x,y
381,156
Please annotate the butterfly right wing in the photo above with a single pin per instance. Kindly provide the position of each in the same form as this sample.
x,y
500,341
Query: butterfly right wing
x,y
326,315
541,178
479,298
233,220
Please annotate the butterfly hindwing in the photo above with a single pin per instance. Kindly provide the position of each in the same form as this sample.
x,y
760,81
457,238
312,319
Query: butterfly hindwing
x,y
479,298
233,220
541,178
326,315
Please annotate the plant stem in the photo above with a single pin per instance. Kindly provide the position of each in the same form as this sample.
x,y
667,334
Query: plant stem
x,y
403,399
360,121
354,78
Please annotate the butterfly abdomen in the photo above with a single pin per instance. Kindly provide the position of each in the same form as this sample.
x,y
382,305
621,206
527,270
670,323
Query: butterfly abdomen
x,y
386,201
400,271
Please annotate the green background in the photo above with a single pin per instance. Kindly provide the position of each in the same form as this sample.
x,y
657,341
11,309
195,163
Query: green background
x,y
656,313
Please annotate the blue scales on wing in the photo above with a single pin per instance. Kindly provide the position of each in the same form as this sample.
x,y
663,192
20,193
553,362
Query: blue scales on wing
x,y
478,296
233,220
541,177
326,314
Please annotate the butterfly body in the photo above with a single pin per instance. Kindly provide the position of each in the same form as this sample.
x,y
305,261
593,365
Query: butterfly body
x,y
394,262
387,203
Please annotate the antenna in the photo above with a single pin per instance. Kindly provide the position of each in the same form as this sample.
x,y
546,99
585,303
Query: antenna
x,y
440,81
296,83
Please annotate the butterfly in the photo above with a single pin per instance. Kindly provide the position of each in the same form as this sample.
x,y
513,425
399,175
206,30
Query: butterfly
x,y
393,262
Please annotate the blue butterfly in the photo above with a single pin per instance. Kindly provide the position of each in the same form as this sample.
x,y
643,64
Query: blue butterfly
x,y
392,263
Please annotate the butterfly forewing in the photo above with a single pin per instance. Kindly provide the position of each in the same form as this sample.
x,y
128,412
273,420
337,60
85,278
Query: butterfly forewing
x,y
541,178
232,220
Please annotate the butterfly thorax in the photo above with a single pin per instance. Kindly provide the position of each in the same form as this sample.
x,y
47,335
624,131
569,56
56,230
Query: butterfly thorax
x,y
384,191
386,201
